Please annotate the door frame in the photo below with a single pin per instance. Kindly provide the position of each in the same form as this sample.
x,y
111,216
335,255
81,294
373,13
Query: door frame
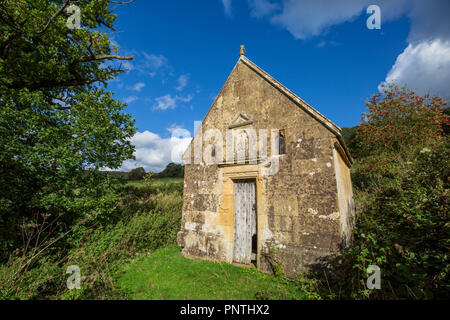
x,y
227,174
250,180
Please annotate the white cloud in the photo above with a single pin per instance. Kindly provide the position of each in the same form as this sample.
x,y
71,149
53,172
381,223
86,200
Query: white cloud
x,y
137,87
305,18
144,63
182,82
323,44
154,152
227,7
429,20
186,99
155,61
130,99
169,102
262,8
424,67
179,131
149,64
127,65
424,64
165,102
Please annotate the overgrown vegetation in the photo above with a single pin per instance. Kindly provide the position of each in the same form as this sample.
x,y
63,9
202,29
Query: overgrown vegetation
x,y
132,255
59,126
146,218
172,170
401,181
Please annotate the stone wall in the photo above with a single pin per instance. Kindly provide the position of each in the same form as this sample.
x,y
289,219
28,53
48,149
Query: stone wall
x,y
298,211
345,197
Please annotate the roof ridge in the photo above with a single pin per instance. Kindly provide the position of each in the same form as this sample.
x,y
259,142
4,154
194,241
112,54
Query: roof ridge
x,y
311,110
335,129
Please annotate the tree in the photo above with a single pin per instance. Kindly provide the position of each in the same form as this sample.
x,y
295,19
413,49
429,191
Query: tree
x,y
398,122
172,170
148,177
349,135
58,123
403,170
137,174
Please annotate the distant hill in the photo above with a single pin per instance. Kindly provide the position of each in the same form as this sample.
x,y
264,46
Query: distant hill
x,y
172,170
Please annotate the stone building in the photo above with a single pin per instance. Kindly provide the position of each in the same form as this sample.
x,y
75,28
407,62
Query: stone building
x,y
267,178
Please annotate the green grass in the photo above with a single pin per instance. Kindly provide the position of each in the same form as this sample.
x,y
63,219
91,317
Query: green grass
x,y
155,182
166,275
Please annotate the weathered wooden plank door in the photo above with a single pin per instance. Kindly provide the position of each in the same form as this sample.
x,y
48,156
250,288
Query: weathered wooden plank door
x,y
244,219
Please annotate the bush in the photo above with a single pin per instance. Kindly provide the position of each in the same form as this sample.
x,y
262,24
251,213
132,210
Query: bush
x,y
143,221
137,174
404,229
172,170
402,179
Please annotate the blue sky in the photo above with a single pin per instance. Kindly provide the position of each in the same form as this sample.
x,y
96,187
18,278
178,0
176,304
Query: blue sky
x,y
321,50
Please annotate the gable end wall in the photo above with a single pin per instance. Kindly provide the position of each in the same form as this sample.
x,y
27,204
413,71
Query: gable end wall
x,y
297,208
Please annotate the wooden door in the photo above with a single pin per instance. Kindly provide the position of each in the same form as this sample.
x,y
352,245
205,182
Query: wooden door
x,y
244,220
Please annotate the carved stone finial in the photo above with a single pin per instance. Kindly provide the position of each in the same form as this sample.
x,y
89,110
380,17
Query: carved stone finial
x,y
242,52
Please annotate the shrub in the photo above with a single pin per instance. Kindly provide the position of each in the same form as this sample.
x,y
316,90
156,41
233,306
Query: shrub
x,y
137,174
144,220
401,178
398,124
172,170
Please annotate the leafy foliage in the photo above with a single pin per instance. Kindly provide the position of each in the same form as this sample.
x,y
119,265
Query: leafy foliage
x,y
137,174
172,170
146,218
349,135
402,181
57,125
398,125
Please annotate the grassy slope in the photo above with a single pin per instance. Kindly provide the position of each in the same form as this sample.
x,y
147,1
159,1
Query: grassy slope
x,y
155,182
132,255
166,275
